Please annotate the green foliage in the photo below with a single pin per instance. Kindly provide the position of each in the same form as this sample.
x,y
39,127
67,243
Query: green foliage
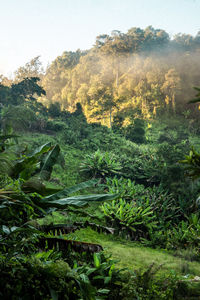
x,y
102,275
54,110
125,188
19,205
192,162
183,235
165,225
129,219
136,132
22,91
145,285
153,206
31,278
100,165
20,117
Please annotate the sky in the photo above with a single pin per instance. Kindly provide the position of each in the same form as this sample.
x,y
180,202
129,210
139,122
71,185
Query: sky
x,y
29,28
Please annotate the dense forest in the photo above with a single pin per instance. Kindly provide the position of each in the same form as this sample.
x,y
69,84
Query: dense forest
x,y
99,171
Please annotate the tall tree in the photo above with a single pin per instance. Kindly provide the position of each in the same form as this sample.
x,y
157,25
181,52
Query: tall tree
x,y
171,87
31,69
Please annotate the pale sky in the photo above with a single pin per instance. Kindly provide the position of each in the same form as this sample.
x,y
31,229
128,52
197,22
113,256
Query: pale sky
x,y
29,28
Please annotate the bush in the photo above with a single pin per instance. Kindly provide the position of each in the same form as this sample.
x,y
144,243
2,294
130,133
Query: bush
x,y
136,132
129,219
30,278
141,285
100,165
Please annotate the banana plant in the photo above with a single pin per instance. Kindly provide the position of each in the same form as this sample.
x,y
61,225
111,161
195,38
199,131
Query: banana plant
x,y
30,200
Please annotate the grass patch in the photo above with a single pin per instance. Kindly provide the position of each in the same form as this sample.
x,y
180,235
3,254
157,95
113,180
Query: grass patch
x,y
134,256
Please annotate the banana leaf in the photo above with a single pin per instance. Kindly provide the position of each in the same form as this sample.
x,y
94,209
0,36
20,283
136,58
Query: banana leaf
x,y
66,192
25,166
35,184
49,162
79,201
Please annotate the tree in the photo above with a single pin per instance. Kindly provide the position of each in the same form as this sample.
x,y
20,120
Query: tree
x,y
171,87
4,94
102,101
114,47
31,69
25,90
54,110
58,74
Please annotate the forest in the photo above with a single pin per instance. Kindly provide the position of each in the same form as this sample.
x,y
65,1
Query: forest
x,y
100,169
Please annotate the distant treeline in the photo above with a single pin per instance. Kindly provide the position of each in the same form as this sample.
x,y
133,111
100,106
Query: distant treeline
x,y
141,73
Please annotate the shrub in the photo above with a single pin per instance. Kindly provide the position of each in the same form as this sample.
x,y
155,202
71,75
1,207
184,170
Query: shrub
x,y
100,165
136,132
129,219
143,285
31,278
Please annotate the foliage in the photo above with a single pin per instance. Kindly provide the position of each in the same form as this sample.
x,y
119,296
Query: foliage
x,y
129,219
20,117
125,73
145,285
134,83
192,162
125,188
20,92
135,132
181,236
100,165
186,234
19,205
38,277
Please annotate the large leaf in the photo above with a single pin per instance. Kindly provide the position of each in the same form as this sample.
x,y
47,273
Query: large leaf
x,y
35,184
25,166
39,150
81,200
49,162
66,192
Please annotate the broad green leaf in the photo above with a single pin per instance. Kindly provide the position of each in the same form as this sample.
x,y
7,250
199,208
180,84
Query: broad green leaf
x,y
26,164
76,200
73,189
49,162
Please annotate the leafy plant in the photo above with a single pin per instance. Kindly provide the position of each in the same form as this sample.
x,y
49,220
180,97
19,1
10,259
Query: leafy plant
x,y
102,275
146,285
192,162
100,165
125,188
129,219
